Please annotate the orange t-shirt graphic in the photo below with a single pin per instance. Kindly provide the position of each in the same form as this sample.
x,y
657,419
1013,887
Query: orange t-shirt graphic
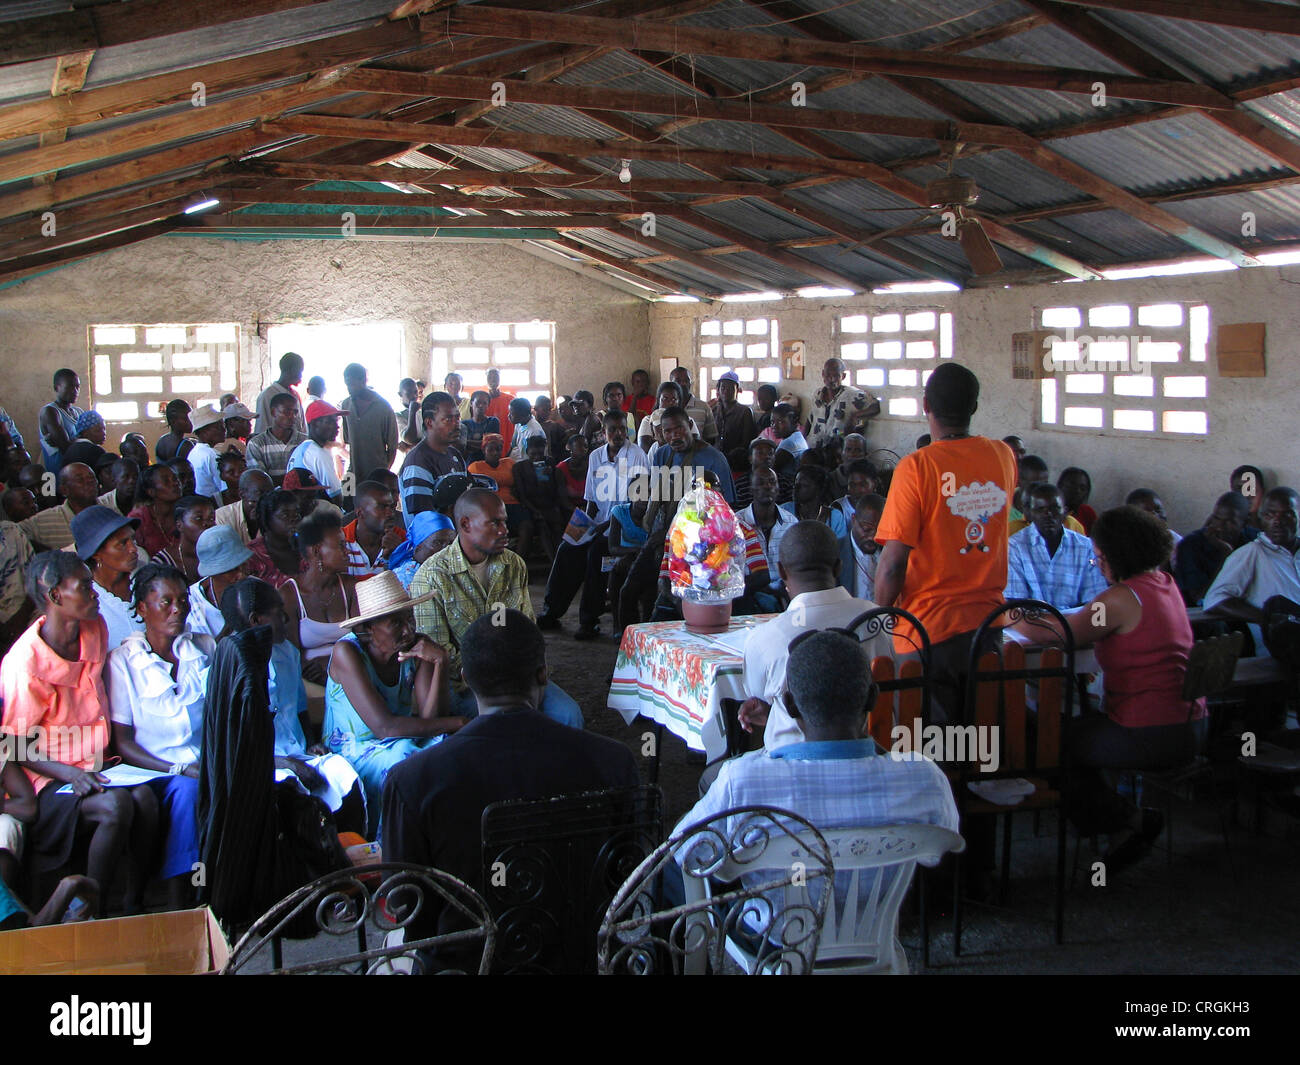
x,y
949,503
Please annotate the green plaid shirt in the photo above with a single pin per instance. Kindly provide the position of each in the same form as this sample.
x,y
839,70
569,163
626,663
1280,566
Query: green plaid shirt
x,y
460,600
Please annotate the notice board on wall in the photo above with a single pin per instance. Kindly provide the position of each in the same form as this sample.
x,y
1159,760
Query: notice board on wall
x,y
1239,350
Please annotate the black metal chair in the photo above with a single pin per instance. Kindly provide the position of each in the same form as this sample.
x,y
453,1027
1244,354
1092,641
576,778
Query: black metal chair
x,y
551,866
388,898
645,934
1210,667
996,684
904,701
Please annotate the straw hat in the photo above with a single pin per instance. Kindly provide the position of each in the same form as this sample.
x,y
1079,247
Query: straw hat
x,y
380,595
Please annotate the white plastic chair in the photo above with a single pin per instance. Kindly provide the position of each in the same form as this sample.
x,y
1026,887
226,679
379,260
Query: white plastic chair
x,y
874,866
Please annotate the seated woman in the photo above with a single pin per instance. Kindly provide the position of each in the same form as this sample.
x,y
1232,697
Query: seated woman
x,y
323,595
1076,487
427,533
52,681
223,561
156,688
194,515
230,467
502,470
155,502
246,605
105,542
1142,637
184,474
388,687
275,557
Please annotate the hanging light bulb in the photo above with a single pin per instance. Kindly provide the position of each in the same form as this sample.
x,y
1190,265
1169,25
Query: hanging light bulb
x,y
625,172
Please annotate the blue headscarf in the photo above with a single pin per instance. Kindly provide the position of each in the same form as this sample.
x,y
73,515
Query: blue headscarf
x,y
86,419
418,529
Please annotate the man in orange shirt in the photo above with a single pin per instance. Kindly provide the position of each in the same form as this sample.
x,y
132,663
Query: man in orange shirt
x,y
945,532
498,398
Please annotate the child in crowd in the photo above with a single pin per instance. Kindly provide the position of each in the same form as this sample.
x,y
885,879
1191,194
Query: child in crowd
x,y
537,487
476,427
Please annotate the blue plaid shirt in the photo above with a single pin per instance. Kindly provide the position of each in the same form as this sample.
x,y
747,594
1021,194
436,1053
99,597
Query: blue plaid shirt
x,y
1067,579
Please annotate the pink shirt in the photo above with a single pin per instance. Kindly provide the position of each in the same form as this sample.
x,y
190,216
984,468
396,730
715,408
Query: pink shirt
x,y
1143,670
66,699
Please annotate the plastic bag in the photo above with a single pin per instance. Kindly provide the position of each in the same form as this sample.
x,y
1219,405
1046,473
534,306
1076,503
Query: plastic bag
x,y
706,548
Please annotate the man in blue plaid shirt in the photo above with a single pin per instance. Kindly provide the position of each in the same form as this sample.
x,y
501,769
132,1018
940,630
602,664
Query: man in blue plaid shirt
x,y
1047,561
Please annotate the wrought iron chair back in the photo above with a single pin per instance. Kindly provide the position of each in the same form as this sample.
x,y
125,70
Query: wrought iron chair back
x,y
764,850
550,868
380,899
904,686
997,706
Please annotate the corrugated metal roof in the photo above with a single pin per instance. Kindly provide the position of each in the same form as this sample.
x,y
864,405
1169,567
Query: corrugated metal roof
x,y
1218,53
1276,215
1172,153
181,50
1122,238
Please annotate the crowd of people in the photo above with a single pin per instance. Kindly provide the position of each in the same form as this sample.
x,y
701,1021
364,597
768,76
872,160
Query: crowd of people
x,y
405,669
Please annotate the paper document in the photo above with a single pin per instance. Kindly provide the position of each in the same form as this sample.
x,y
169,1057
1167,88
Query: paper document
x,y
581,528
120,776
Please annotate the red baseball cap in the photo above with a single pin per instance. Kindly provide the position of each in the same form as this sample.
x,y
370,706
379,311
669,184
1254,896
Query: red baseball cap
x,y
320,409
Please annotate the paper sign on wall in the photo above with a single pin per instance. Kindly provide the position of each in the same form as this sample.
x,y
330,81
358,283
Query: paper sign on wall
x,y
1240,350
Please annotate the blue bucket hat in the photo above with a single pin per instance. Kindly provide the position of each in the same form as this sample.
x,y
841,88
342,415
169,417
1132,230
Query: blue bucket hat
x,y
92,526
220,550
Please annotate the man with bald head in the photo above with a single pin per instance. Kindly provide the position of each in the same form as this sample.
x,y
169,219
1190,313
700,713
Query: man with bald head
x,y
838,409
241,515
810,567
375,532
52,528
473,576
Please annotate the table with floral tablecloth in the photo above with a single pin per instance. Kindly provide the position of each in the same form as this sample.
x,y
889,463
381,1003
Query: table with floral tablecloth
x,y
679,679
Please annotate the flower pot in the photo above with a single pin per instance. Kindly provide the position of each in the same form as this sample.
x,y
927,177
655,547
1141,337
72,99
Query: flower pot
x,y
707,618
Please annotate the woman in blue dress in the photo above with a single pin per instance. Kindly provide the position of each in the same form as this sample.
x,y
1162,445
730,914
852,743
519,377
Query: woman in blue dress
x,y
388,687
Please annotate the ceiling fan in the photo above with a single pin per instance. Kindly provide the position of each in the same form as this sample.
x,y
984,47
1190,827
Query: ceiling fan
x,y
950,199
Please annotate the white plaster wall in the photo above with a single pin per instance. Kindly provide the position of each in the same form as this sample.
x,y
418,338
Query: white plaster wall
x,y
1251,419
601,332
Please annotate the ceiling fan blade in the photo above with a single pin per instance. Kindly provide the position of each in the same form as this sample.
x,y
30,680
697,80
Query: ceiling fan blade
x,y
981,254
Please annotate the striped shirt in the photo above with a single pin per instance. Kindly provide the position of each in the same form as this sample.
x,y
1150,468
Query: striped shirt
x,y
421,470
270,455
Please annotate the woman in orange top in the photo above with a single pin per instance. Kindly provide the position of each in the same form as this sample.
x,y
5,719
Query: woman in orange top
x,y
502,470
56,710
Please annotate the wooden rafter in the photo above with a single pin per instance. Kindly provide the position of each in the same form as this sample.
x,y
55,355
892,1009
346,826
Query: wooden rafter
x,y
486,21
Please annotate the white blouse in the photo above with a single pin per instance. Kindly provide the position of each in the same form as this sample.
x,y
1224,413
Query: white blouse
x,y
118,615
167,714
205,617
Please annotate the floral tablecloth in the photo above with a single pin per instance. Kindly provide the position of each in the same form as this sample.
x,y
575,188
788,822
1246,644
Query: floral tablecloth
x,y
679,678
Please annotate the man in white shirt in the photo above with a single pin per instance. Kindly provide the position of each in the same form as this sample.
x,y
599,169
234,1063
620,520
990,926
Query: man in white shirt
x,y
810,568
525,428
312,453
291,365
770,522
210,430
1264,568
610,470
838,409
241,515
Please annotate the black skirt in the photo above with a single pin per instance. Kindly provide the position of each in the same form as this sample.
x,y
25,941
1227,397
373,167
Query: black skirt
x,y
55,832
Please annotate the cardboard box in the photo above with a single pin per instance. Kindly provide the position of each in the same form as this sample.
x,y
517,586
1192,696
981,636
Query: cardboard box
x,y
177,943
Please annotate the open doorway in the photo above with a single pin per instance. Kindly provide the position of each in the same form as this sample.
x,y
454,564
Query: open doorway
x,y
327,349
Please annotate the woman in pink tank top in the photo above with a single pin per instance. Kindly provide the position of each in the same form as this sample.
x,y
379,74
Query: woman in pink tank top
x,y
1142,637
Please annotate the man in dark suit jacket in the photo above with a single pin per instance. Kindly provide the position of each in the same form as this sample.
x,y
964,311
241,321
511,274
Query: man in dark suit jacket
x,y
434,800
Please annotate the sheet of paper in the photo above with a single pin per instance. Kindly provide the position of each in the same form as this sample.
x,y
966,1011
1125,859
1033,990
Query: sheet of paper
x,y
120,776
732,641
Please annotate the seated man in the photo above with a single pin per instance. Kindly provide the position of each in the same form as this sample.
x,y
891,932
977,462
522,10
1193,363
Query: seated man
x,y
1249,481
1202,554
1030,470
865,550
1049,562
792,445
475,576
810,567
832,774
434,800
861,482
1264,568
1147,499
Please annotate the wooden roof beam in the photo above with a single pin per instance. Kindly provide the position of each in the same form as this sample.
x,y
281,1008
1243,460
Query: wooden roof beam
x,y
482,20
